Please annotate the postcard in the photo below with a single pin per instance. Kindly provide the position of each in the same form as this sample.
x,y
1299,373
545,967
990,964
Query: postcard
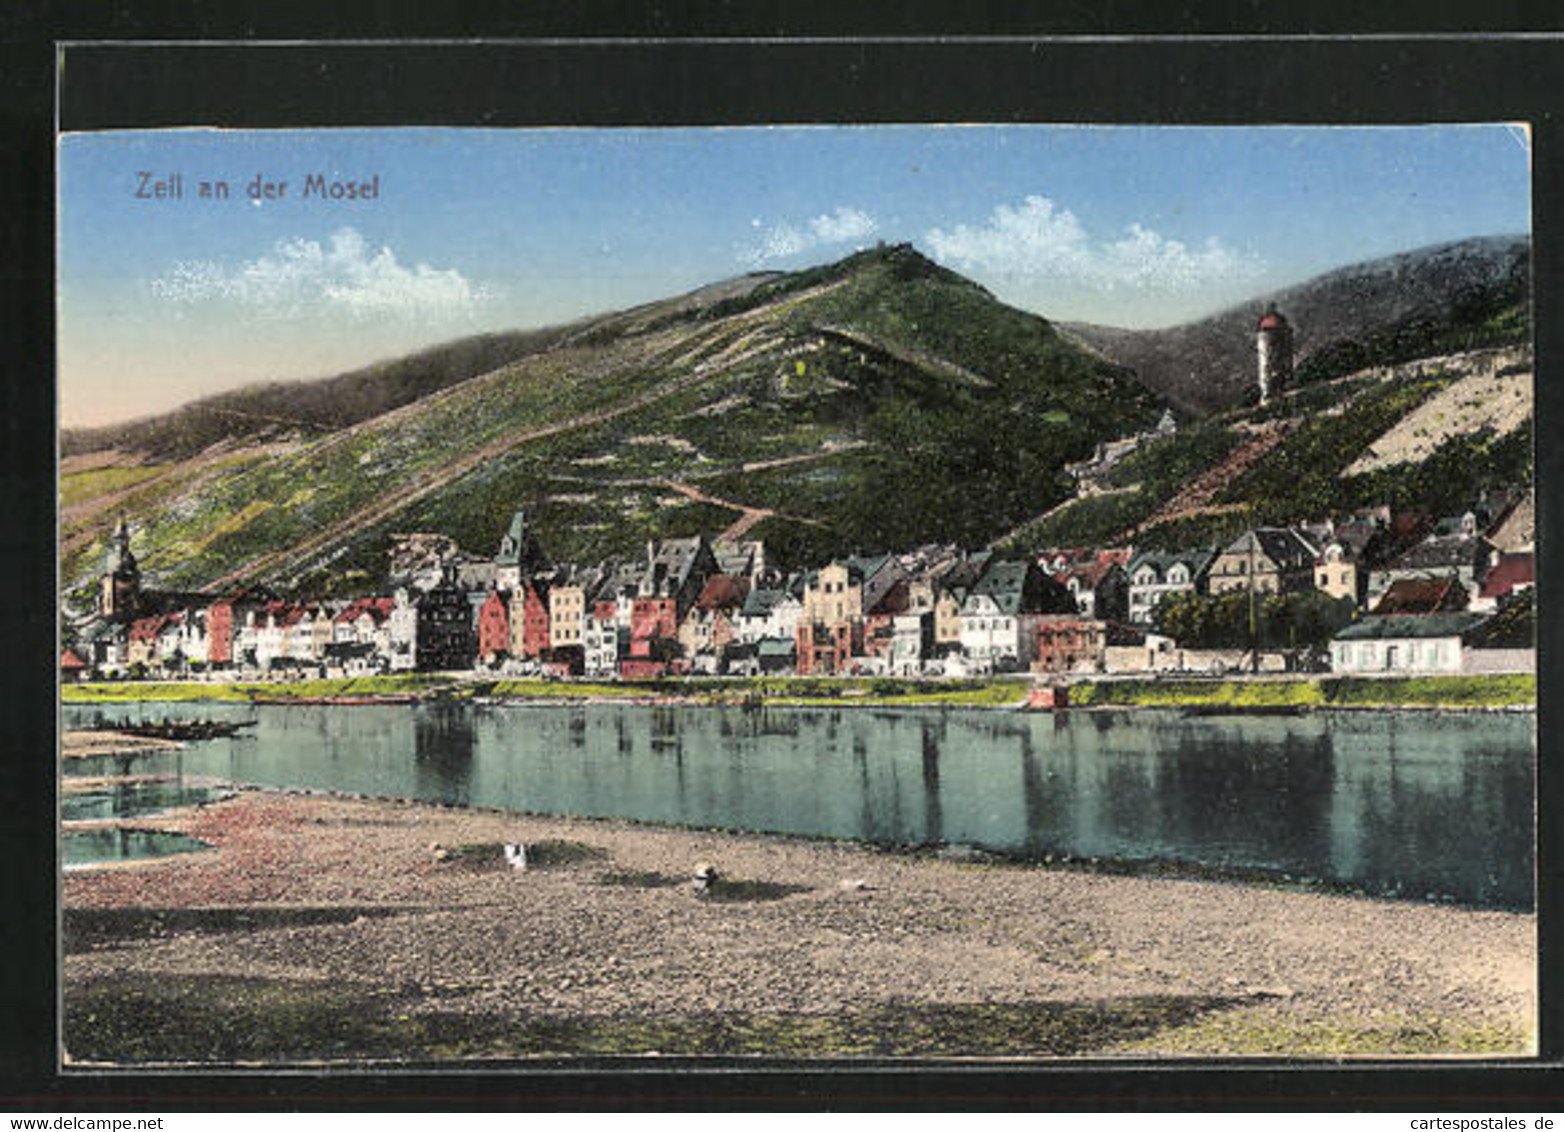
x,y
796,595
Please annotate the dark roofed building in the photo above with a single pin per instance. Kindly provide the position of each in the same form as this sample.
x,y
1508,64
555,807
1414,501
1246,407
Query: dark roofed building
x,y
1265,560
775,655
447,639
519,554
999,616
1465,557
677,568
1157,574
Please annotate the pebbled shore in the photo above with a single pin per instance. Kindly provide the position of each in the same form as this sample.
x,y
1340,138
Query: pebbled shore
x,y
347,908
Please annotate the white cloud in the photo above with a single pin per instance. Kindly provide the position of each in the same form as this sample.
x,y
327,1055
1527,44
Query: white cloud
x,y
783,240
842,226
342,277
1040,239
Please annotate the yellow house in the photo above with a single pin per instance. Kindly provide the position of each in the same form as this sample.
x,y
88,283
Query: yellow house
x,y
566,615
834,596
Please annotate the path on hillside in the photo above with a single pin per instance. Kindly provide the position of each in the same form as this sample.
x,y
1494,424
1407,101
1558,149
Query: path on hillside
x,y
715,470
1195,498
205,465
908,356
824,453
1009,536
429,482
750,517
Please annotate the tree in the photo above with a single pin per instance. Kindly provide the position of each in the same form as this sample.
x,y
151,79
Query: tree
x,y
1514,626
1307,619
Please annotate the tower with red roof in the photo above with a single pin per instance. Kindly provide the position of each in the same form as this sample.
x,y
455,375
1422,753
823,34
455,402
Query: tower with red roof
x,y
1273,339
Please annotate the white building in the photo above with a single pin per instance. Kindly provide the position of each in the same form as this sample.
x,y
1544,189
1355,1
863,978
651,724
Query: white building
x,y
769,613
1404,643
993,638
911,641
1154,575
600,641
402,632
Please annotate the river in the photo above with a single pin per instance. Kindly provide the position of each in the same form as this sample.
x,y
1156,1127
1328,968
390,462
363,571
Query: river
x,y
1409,804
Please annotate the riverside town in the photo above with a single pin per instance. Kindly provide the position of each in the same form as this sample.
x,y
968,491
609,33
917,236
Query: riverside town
x,y
1372,592
794,596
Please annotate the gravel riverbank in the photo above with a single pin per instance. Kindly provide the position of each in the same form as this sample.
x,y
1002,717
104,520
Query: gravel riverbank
x,y
406,918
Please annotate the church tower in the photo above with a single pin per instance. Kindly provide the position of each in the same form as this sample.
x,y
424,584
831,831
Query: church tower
x,y
1273,339
120,590
519,555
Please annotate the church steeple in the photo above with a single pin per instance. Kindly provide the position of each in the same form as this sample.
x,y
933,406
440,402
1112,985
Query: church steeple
x,y
120,590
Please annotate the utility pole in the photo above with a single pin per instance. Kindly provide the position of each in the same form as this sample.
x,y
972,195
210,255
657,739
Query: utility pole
x,y
1254,636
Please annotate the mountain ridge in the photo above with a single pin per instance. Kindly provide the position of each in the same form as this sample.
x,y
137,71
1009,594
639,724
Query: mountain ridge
x,y
872,401
1375,311
878,402
319,405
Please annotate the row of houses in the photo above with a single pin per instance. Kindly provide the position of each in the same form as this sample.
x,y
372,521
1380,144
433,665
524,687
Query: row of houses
x,y
694,606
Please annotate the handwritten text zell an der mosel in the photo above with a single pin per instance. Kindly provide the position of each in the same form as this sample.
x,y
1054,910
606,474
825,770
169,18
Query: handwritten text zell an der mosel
x,y
317,186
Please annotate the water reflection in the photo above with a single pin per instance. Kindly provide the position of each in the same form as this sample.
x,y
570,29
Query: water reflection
x,y
133,799
1416,803
444,739
933,823
93,846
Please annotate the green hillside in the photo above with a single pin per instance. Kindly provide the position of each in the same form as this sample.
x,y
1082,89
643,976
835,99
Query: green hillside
x,y
1308,473
872,403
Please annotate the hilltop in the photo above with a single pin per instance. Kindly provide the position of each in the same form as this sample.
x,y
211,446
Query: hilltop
x,y
874,402
281,410
1435,300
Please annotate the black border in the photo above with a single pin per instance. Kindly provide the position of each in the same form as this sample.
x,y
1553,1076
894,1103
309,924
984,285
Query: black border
x,y
547,73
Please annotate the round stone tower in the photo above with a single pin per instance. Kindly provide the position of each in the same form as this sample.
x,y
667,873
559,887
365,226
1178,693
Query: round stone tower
x,y
1273,339
121,587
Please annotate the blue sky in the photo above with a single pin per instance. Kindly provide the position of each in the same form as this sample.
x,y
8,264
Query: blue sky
x,y
164,300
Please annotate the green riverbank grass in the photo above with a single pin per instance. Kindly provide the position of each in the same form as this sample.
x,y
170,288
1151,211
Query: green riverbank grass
x,y
1450,692
1487,691
815,691
197,691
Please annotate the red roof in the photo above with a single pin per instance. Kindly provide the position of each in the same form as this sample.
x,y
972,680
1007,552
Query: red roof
x,y
1091,572
1422,595
1074,559
1513,570
147,628
723,591
1271,320
378,609
69,659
